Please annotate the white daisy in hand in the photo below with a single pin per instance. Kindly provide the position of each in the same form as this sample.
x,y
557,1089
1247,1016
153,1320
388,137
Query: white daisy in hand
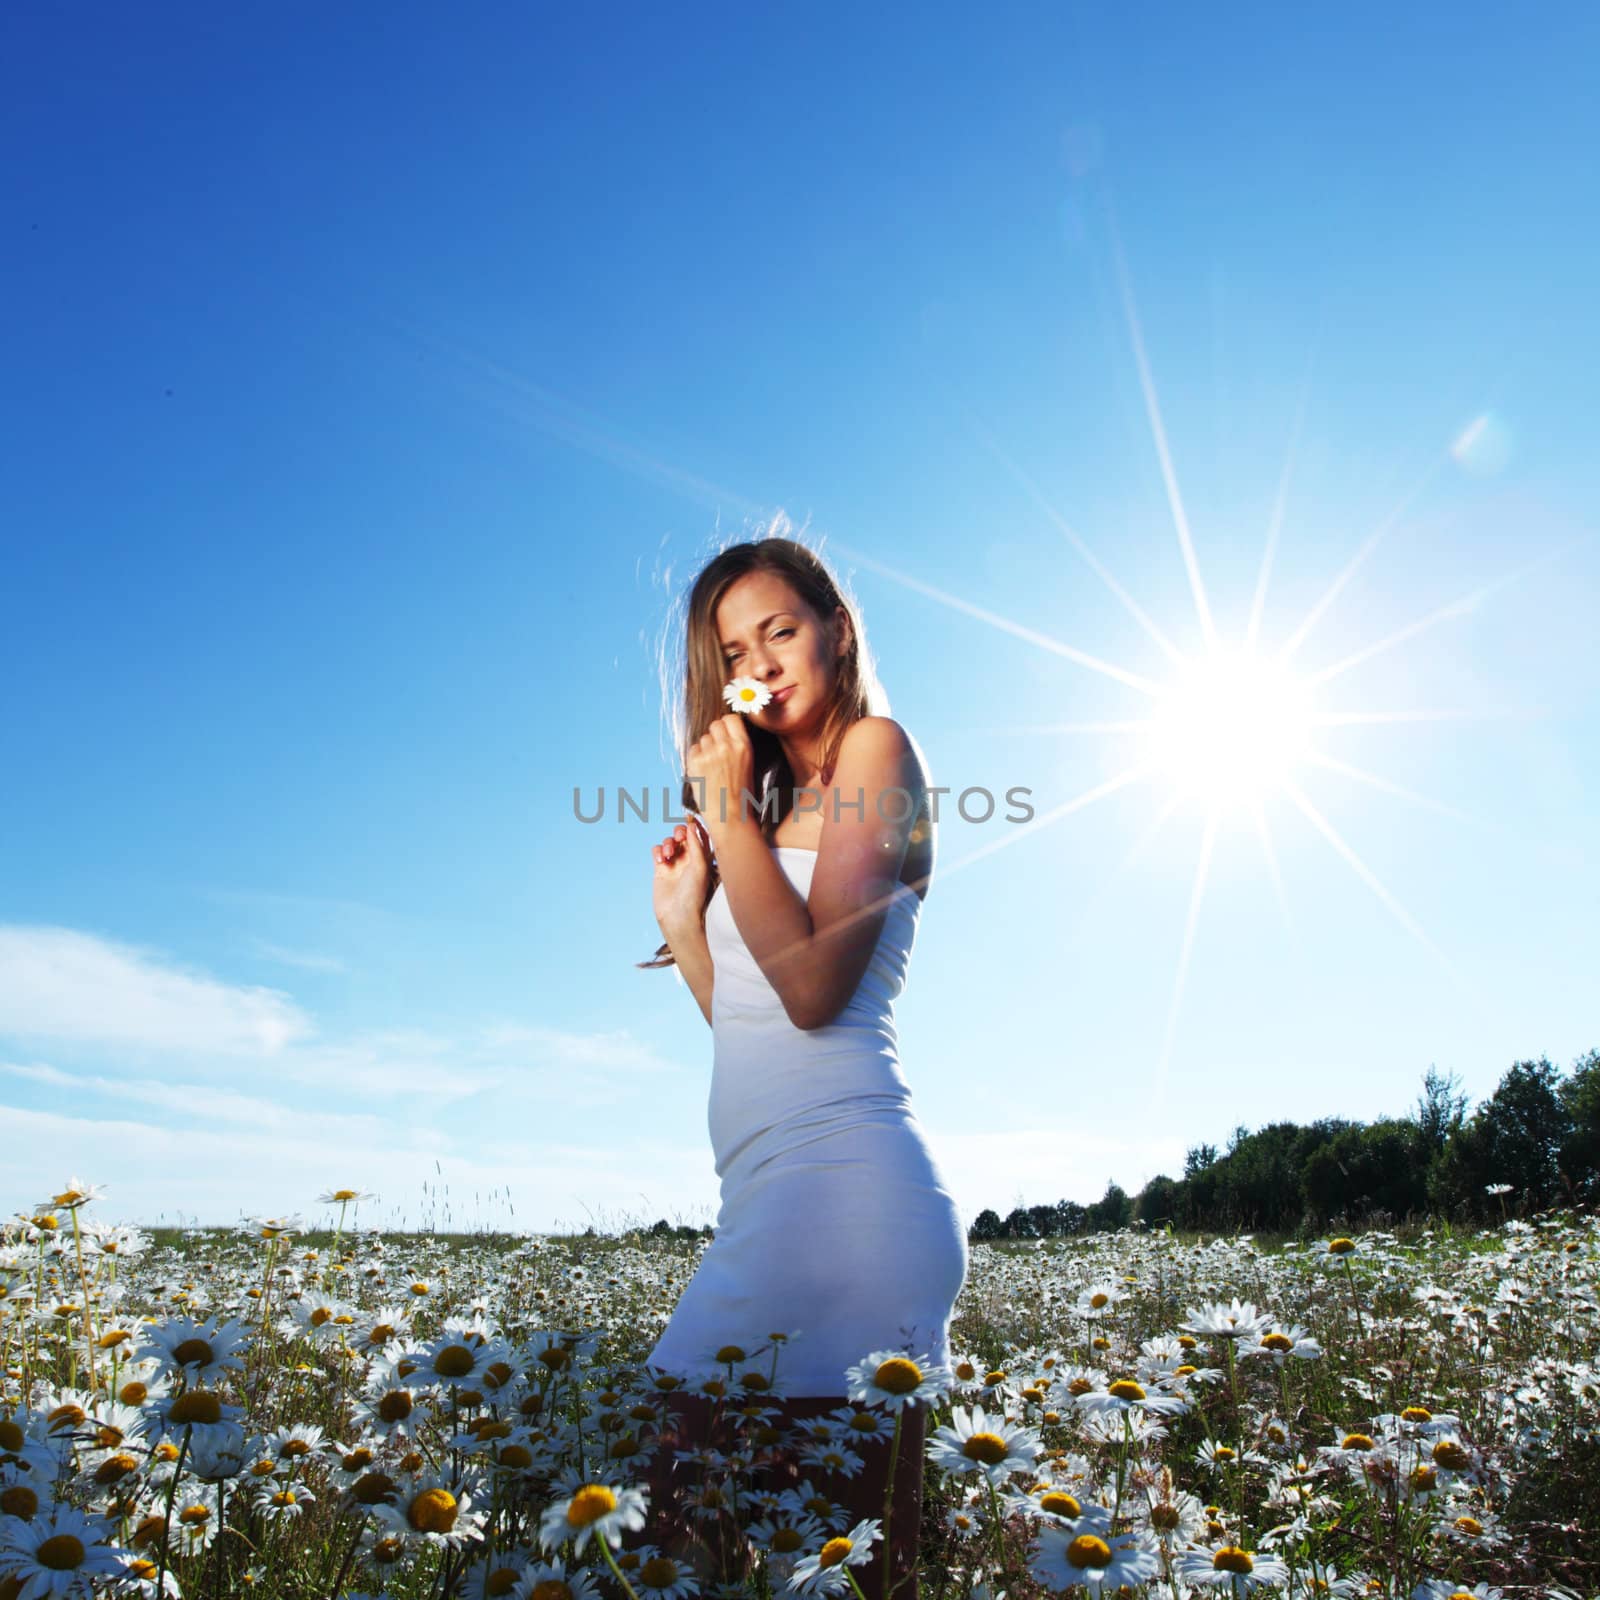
x,y
595,1510
745,694
824,1573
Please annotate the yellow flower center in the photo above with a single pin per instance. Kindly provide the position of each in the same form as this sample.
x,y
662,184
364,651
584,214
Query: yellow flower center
x,y
60,1553
518,1457
1061,1503
1098,1302
195,1516
199,1405
659,1572
1357,1441
1416,1414
454,1361
1165,1516
343,1196
11,1437
1341,1247
1469,1525
1230,1558
834,1551
786,1540
433,1511
1451,1456
19,1501
989,1448
898,1376
1126,1389
284,1497
589,1504
1277,1341
1087,1550
372,1488
1224,1452
194,1353
550,1589
501,1581
395,1406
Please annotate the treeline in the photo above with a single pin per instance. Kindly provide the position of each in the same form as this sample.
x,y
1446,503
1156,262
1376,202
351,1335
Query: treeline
x,y
1532,1145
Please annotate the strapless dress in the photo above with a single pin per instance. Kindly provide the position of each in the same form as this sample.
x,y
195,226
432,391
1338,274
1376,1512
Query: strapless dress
x,y
836,1225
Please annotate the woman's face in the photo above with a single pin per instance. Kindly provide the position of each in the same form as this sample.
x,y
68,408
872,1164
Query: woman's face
x,y
767,632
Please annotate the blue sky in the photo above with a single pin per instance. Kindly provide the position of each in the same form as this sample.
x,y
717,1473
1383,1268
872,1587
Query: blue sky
x,y
376,378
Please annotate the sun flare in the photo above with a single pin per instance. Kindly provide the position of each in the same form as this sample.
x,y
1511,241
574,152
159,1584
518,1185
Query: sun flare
x,y
1230,728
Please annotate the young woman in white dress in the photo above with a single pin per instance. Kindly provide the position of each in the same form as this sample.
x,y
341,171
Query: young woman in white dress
x,y
836,1223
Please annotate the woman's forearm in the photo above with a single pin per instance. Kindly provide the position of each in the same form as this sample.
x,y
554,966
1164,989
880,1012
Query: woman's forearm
x,y
693,957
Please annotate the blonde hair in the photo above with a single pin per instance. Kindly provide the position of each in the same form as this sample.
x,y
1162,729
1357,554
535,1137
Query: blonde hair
x,y
856,694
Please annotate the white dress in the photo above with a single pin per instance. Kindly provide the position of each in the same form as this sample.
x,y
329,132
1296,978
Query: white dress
x,y
836,1223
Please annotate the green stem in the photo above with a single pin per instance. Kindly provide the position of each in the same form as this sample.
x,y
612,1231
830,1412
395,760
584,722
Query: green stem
x,y
172,1494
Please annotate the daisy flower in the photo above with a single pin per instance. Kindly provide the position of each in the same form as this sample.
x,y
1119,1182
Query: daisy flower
x,y
1124,1394
430,1510
804,1499
746,694
283,1503
893,1379
198,1352
78,1192
1177,1519
824,1572
781,1535
596,1511
1279,1344
1238,1571
985,1446
831,1456
63,1555
1097,1300
1234,1320
547,1578
661,1576
1068,1553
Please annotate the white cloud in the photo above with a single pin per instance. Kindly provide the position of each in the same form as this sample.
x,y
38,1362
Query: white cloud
x,y
58,983
307,960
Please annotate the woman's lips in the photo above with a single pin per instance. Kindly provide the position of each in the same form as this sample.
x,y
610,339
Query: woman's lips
x,y
783,694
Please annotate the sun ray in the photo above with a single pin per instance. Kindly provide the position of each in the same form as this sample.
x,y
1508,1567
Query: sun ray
x,y
1258,812
1133,726
1362,871
1159,435
1258,601
1374,539
1362,776
1005,624
1090,911
1196,895
1467,604
1336,719
1135,610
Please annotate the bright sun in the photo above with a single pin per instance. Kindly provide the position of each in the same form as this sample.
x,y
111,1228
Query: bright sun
x,y
1230,729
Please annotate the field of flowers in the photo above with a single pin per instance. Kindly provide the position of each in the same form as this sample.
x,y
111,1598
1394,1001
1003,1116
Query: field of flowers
x,y
283,1412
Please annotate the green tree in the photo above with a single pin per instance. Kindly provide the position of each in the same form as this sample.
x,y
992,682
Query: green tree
x,y
1579,1156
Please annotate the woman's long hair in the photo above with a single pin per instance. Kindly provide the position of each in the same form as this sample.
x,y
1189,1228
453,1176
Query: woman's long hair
x,y
857,692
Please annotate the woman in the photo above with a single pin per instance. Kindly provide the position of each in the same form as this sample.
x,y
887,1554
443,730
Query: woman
x,y
836,1227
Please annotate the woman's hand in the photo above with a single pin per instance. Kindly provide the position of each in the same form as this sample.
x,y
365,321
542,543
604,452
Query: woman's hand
x,y
683,868
721,763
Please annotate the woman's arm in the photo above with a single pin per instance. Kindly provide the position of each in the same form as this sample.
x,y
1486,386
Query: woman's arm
x,y
814,950
693,957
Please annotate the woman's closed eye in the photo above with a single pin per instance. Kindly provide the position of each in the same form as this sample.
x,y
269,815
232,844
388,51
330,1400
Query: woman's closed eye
x,y
776,635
